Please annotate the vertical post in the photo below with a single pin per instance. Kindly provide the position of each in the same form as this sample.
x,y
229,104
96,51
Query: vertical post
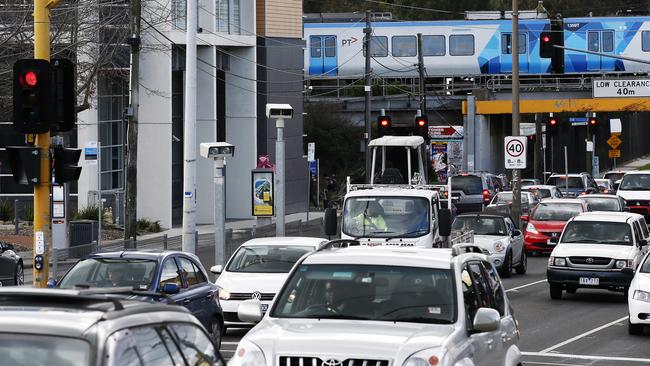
x,y
131,186
279,178
516,187
318,183
99,194
537,156
368,91
308,189
468,140
189,132
16,218
423,94
566,169
219,213
165,242
552,154
587,152
42,223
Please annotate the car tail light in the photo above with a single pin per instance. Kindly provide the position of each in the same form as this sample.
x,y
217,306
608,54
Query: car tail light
x,y
486,195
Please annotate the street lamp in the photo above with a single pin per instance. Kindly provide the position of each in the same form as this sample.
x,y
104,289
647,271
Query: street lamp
x,y
279,112
218,151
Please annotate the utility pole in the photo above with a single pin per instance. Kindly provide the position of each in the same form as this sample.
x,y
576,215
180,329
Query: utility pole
x,y
538,148
516,187
423,94
42,222
588,167
368,91
189,132
130,214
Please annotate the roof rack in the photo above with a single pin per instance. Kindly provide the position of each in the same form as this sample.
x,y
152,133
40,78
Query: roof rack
x,y
459,249
339,243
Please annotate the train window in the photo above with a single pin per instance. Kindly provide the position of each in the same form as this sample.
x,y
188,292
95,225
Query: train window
x,y
608,41
378,46
330,46
645,41
506,43
315,47
433,46
461,45
593,41
404,46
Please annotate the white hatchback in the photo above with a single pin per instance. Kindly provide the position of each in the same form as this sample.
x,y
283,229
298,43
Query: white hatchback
x,y
257,270
639,299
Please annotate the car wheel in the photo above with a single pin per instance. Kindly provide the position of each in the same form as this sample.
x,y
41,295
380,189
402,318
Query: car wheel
x,y
19,275
634,329
556,291
506,267
216,331
522,267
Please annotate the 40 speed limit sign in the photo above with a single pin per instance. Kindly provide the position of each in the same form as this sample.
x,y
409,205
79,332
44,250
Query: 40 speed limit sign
x,y
515,152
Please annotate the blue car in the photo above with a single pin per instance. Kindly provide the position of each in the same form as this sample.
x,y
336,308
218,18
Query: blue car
x,y
153,276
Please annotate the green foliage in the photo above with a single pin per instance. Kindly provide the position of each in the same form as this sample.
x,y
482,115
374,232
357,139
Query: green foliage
x,y
145,224
6,211
90,212
337,140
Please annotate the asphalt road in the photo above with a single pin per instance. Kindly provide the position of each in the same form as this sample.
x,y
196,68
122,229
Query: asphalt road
x,y
586,328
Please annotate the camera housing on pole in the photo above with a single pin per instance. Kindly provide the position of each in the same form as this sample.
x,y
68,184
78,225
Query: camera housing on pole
x,y
218,151
279,112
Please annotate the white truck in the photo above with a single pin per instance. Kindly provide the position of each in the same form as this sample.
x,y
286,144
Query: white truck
x,y
391,210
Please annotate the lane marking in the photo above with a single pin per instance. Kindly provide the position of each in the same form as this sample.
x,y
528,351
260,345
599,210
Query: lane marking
x,y
526,285
224,342
554,364
584,335
585,357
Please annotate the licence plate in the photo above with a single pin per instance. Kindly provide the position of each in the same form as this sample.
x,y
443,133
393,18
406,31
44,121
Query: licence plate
x,y
264,308
589,281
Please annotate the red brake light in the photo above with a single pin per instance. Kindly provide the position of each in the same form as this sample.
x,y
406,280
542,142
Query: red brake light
x,y
30,78
486,195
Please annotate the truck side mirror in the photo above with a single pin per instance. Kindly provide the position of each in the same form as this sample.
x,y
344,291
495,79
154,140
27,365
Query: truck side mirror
x,y
444,224
330,222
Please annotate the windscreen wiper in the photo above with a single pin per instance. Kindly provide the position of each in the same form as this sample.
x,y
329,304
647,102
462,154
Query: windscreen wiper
x,y
405,234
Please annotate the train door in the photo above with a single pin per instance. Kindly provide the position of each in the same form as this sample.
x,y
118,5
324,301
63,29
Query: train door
x,y
322,55
506,52
602,42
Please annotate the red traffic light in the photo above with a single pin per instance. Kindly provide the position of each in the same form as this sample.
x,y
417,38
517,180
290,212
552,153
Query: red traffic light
x,y
593,121
421,122
552,122
546,39
384,122
29,79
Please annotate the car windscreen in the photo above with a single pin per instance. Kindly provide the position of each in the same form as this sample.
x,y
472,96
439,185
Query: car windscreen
x,y
35,349
540,192
368,292
645,267
602,204
560,182
113,272
481,225
597,232
556,211
506,197
635,182
468,184
386,217
266,258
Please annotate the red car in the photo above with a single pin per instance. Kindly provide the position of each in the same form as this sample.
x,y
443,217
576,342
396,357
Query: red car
x,y
547,221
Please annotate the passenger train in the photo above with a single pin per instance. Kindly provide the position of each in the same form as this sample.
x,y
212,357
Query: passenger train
x,y
474,47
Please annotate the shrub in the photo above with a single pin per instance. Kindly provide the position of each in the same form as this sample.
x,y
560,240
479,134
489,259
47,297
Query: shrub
x,y
145,224
6,211
90,212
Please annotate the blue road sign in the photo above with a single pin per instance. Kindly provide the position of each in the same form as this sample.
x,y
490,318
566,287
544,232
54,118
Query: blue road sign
x,y
578,121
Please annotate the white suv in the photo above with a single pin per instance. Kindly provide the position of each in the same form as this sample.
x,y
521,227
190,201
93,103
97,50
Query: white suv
x,y
384,306
595,250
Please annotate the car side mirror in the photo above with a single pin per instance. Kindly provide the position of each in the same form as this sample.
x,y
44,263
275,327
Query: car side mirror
x,y
170,289
444,222
331,223
628,271
217,269
250,311
516,233
486,320
643,242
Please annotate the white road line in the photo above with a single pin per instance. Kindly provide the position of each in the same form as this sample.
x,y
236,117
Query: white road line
x,y
526,285
585,357
224,342
584,335
554,364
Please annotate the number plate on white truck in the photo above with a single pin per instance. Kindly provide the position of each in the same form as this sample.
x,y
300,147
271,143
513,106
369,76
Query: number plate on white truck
x,y
589,281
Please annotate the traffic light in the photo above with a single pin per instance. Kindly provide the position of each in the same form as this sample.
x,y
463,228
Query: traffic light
x,y
32,112
546,42
25,164
384,125
593,121
65,164
422,126
64,97
552,126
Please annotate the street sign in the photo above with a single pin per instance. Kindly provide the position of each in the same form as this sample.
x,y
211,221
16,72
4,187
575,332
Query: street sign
x,y
614,141
621,88
311,151
90,153
614,153
578,121
615,125
515,152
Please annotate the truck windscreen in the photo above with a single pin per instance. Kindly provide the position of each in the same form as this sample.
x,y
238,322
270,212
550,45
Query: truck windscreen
x,y
386,217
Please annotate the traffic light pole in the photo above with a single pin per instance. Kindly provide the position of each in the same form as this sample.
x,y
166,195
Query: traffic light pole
x,y
516,187
368,94
42,222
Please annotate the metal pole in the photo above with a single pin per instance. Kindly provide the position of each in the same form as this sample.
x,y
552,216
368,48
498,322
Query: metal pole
x,y
308,189
423,95
279,178
16,218
131,186
552,154
318,183
368,91
566,169
189,131
219,213
516,188
99,193
588,157
538,146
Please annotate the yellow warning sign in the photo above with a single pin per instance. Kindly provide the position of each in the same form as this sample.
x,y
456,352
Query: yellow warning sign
x,y
614,141
614,153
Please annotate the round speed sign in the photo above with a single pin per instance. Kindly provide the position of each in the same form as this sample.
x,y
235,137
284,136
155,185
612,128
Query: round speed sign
x,y
515,152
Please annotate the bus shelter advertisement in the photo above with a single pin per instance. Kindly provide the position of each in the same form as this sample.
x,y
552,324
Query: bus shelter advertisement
x,y
446,150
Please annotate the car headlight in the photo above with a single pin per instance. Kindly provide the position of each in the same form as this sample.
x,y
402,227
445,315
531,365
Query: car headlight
x,y
620,264
247,354
427,357
641,296
531,228
224,294
499,247
557,261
